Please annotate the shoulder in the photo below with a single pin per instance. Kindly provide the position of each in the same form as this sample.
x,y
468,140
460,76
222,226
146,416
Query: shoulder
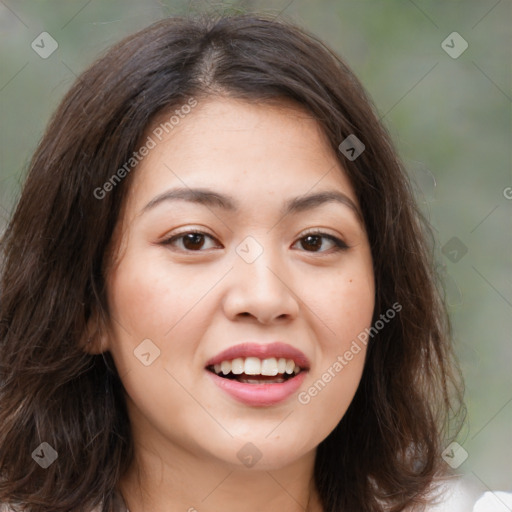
x,y
456,495
7,508
494,502
118,503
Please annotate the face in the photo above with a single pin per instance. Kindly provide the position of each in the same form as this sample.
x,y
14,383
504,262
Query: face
x,y
240,251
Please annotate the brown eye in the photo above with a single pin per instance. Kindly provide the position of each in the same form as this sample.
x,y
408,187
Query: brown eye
x,y
314,242
311,242
191,241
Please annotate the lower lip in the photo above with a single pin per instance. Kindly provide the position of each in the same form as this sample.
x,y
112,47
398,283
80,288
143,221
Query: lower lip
x,y
259,394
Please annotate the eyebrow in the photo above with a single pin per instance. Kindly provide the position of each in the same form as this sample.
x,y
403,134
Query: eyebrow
x,y
214,199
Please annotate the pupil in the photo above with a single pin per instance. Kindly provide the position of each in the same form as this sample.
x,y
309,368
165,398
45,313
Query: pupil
x,y
307,241
193,240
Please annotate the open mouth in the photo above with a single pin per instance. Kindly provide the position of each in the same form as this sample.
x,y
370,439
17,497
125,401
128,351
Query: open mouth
x,y
252,370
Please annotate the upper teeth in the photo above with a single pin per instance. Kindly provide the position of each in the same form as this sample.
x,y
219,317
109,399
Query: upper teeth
x,y
256,366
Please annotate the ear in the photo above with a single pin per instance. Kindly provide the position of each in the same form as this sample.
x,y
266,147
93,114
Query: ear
x,y
94,340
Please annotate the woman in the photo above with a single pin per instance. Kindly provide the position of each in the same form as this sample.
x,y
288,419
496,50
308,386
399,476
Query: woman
x,y
217,292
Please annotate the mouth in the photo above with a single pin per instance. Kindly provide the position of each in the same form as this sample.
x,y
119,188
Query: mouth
x,y
259,375
252,370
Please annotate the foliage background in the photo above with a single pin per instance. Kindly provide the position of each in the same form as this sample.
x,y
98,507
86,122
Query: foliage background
x,y
450,119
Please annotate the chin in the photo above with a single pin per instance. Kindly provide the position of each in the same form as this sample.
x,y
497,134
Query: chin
x,y
262,454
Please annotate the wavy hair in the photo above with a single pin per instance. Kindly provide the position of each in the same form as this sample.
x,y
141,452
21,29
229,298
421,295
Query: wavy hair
x,y
385,452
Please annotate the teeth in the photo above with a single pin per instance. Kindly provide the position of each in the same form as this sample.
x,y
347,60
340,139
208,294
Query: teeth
x,y
269,366
255,366
252,366
290,366
237,366
225,367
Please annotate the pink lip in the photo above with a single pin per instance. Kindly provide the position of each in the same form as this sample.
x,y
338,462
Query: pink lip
x,y
277,350
259,394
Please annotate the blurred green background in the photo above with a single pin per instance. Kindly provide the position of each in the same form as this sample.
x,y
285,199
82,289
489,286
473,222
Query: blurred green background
x,y
449,117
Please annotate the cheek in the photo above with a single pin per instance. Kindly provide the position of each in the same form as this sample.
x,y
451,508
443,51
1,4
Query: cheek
x,y
148,297
351,308
344,304
151,298
143,306
329,393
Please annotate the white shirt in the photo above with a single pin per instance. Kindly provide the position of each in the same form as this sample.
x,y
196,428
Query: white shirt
x,y
459,496
456,497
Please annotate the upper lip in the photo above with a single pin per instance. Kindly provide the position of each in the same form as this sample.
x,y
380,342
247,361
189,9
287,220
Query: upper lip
x,y
262,351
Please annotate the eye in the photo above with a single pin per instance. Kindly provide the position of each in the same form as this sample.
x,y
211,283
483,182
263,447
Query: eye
x,y
190,241
313,241
196,241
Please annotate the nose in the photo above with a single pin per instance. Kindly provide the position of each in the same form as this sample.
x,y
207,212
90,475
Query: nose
x,y
262,290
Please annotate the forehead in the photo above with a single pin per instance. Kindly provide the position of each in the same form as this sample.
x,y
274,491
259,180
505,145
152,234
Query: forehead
x,y
251,150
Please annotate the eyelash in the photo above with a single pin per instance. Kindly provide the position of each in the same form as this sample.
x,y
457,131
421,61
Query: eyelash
x,y
339,245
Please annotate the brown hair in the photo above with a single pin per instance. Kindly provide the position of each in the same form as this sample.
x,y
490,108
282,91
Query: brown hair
x,y
385,452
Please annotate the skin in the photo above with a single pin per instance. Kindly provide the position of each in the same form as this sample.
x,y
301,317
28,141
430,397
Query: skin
x,y
195,303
